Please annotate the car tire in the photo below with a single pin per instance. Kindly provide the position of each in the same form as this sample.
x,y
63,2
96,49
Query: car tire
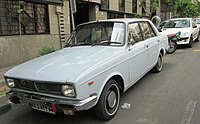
x,y
197,40
159,64
108,103
190,42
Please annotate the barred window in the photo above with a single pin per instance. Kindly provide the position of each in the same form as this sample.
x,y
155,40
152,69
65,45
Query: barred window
x,y
121,5
31,18
134,4
105,4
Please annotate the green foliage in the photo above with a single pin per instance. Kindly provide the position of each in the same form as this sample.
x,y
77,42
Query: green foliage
x,y
20,7
154,5
183,8
169,2
136,15
46,50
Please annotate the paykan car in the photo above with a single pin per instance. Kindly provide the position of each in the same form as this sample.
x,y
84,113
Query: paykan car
x,y
101,60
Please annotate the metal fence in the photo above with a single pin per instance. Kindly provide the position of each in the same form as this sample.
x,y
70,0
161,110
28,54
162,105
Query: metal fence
x,y
18,18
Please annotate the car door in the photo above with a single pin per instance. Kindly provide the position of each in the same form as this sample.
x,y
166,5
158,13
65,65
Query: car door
x,y
195,30
137,53
152,42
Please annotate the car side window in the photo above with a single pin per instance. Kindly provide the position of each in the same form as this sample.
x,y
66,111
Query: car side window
x,y
147,30
194,23
134,33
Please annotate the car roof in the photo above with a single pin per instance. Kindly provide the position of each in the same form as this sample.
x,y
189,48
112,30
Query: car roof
x,y
180,18
124,20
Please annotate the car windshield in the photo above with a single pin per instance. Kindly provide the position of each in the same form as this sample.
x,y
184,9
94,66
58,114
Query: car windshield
x,y
198,21
183,23
98,33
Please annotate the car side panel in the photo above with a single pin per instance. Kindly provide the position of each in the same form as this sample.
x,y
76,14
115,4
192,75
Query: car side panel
x,y
153,51
138,62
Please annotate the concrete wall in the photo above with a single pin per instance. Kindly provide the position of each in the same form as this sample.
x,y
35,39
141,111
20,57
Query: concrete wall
x,y
101,15
139,9
17,49
128,6
114,5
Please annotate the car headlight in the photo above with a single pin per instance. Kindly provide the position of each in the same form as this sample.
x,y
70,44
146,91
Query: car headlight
x,y
10,82
185,34
68,90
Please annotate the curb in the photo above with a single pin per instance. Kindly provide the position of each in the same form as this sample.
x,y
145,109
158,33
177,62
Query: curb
x,y
4,108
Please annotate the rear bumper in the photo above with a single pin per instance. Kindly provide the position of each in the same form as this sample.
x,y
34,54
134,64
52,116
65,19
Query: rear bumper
x,y
30,97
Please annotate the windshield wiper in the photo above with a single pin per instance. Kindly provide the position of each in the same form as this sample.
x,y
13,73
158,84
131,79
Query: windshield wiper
x,y
106,43
71,45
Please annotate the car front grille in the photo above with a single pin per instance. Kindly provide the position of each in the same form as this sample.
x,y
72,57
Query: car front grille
x,y
29,85
45,87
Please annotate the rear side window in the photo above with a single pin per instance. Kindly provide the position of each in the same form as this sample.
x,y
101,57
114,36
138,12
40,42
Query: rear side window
x,y
147,31
134,33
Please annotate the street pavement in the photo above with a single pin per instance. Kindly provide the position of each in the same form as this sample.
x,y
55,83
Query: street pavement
x,y
5,106
169,97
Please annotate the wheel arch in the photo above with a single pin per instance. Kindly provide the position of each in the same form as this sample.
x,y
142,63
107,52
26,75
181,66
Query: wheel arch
x,y
162,52
116,76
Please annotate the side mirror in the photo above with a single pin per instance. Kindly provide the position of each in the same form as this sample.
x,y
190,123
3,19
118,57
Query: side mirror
x,y
160,30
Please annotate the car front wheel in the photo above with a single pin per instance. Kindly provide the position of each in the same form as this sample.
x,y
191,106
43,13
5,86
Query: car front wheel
x,y
108,103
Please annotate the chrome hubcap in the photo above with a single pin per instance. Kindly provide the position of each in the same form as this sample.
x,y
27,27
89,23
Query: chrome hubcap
x,y
112,98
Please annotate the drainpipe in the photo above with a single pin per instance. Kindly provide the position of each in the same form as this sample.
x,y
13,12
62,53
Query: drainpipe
x,y
73,10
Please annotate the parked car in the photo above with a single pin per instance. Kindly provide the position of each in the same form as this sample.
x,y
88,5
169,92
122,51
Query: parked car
x,y
101,60
161,25
187,27
198,22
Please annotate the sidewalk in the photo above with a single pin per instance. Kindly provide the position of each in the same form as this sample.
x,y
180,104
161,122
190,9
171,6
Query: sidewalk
x,y
5,105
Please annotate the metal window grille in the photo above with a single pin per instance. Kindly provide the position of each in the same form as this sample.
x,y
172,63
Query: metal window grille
x,y
31,19
105,4
121,5
134,6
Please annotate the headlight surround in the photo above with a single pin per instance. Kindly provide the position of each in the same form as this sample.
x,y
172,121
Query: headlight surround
x,y
68,90
10,82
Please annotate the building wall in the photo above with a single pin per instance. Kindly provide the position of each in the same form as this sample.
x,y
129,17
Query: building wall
x,y
17,49
139,8
128,6
114,5
101,15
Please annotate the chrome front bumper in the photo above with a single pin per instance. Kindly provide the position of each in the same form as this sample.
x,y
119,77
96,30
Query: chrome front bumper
x,y
29,96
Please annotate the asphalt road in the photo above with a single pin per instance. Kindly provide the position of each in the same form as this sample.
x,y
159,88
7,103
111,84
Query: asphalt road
x,y
169,97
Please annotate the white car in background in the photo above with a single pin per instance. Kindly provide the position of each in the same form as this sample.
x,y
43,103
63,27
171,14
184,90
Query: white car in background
x,y
198,22
187,27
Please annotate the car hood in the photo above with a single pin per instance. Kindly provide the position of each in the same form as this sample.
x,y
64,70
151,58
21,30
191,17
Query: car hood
x,y
63,65
174,30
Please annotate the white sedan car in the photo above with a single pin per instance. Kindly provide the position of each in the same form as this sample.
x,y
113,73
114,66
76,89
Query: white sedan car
x,y
101,60
187,27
